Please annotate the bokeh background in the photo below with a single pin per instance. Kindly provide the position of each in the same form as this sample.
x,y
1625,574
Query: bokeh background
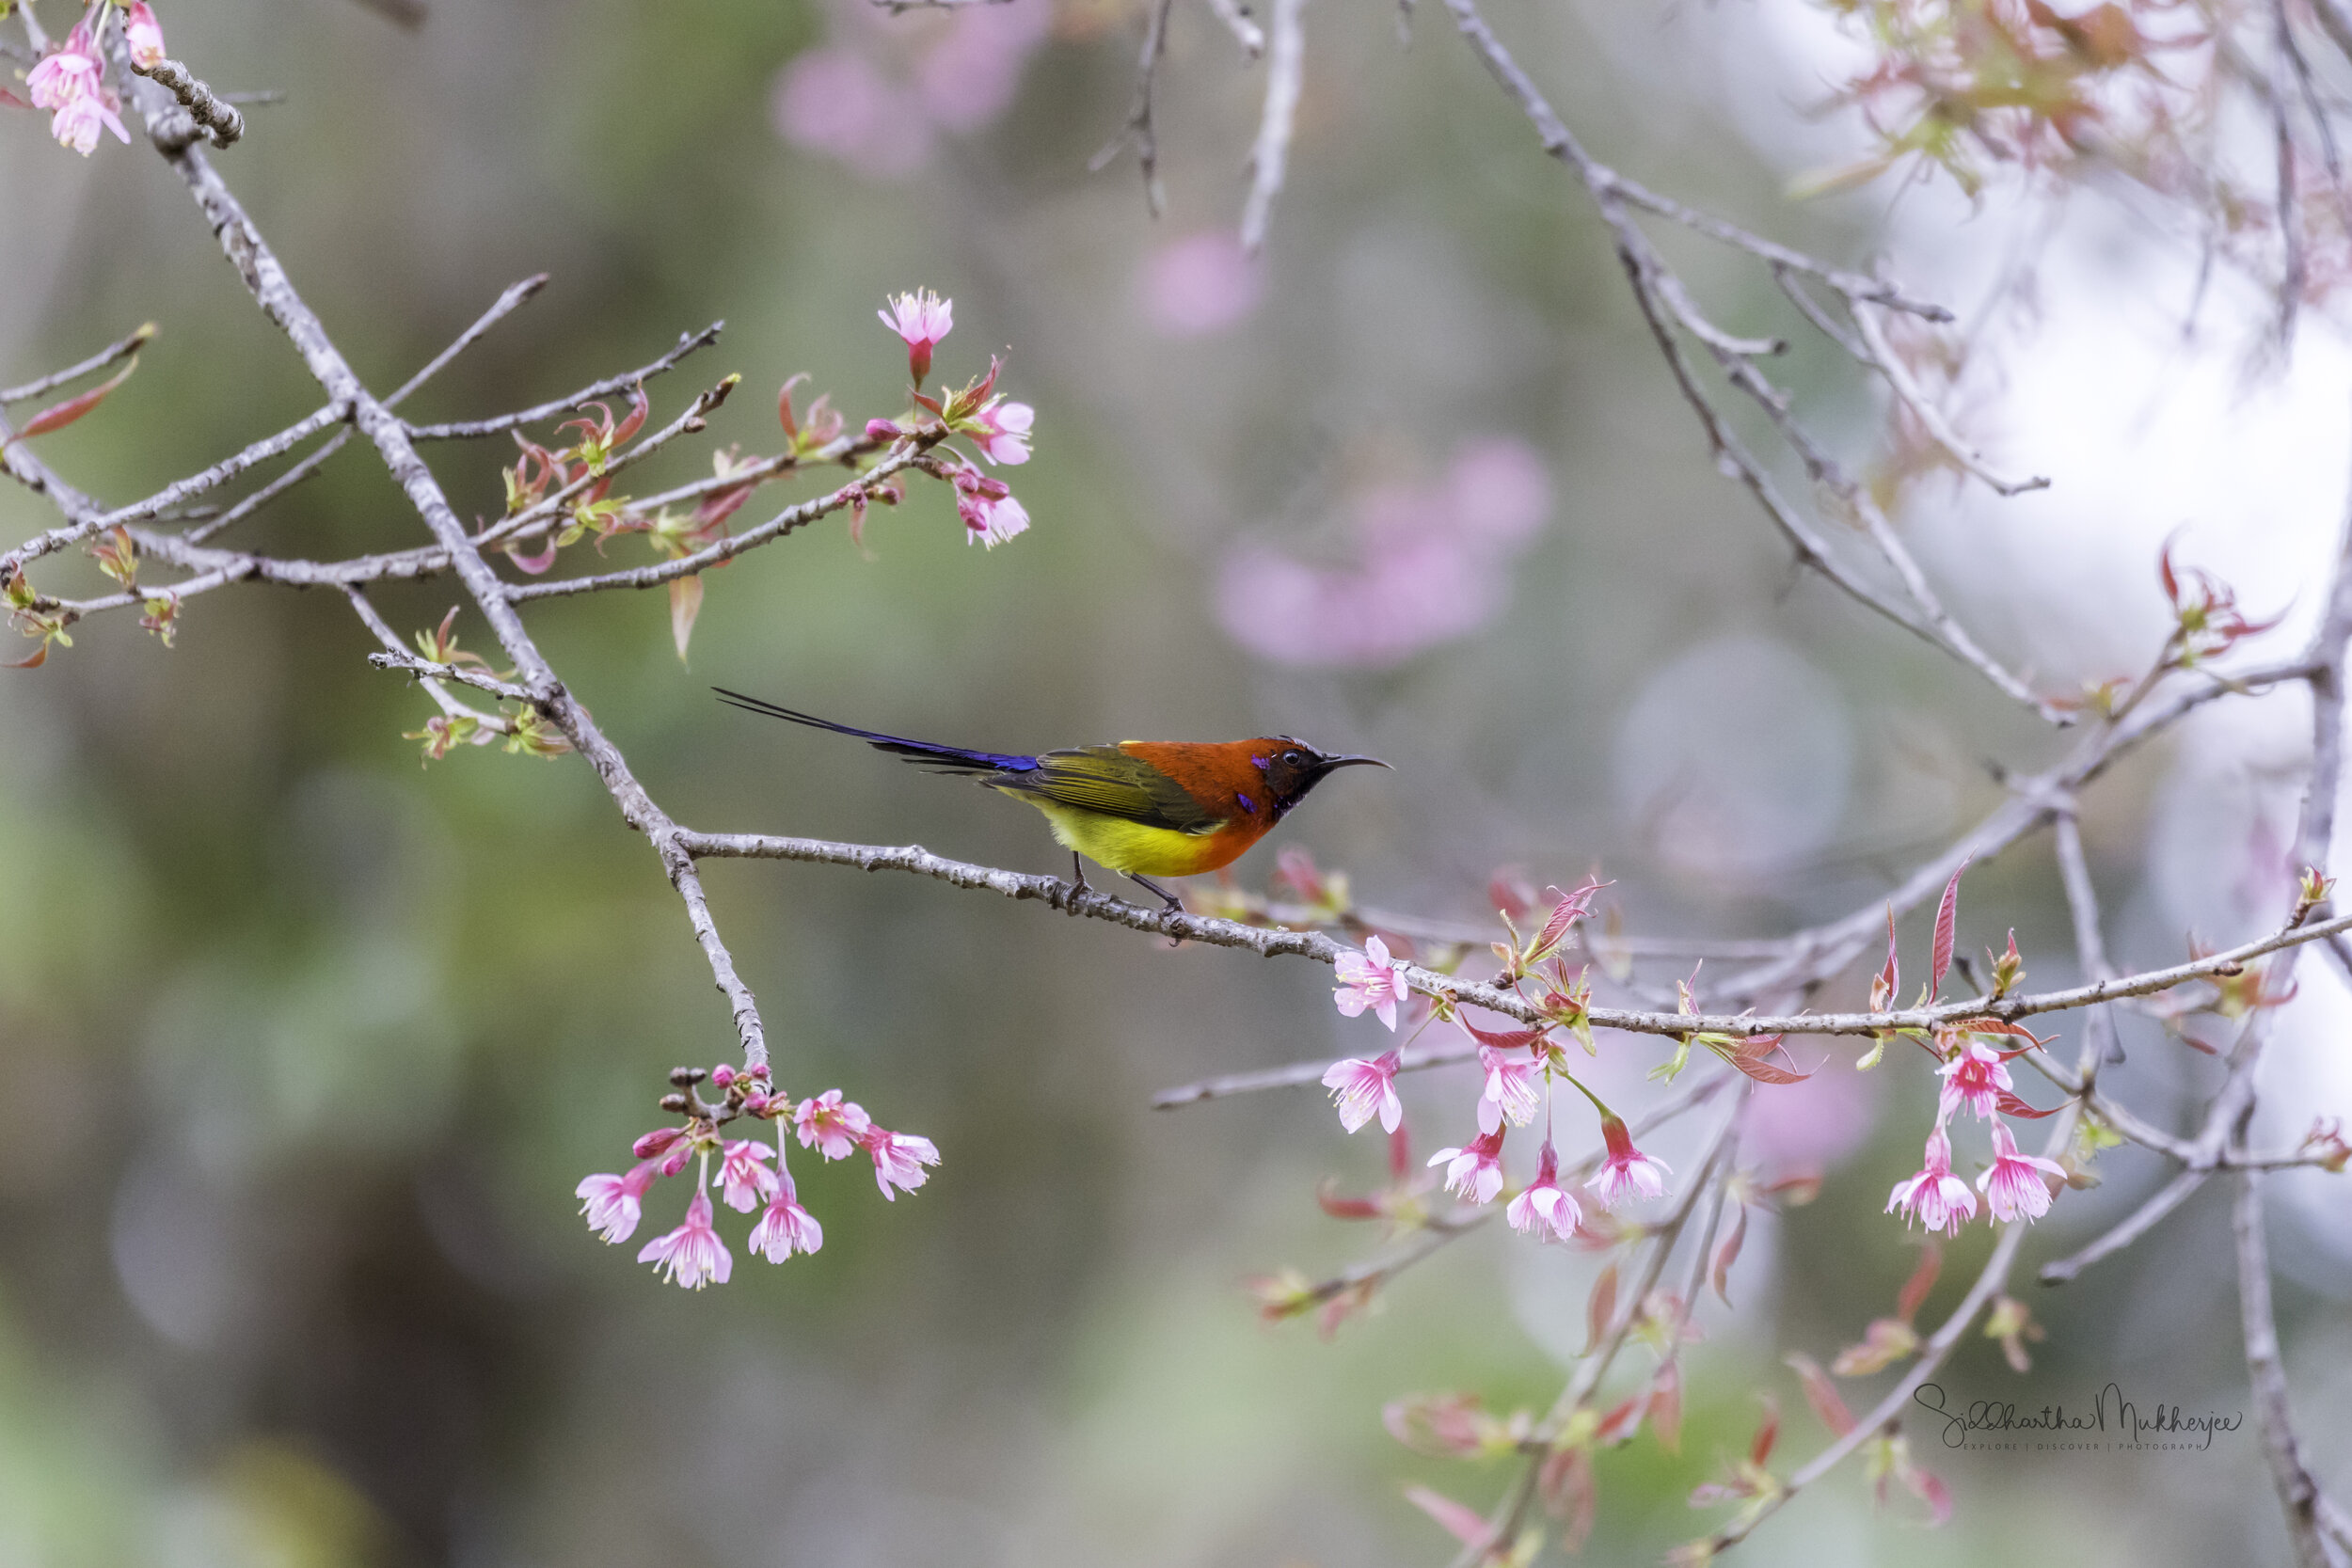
x,y
302,1049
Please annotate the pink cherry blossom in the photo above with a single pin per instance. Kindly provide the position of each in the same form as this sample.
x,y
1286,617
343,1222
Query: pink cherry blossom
x,y
76,125
1936,1197
830,1125
1371,979
1545,1208
70,72
1514,1089
1363,1089
1627,1172
1008,426
747,1181
144,35
1474,1174
2014,1185
692,1255
992,520
899,1159
786,1228
922,318
612,1202
1974,1077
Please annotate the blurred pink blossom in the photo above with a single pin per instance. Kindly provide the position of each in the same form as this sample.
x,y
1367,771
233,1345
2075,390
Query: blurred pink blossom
x,y
875,96
1431,567
832,100
1199,285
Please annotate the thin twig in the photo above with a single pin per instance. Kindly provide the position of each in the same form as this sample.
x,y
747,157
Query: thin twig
x,y
120,348
470,430
1246,32
1888,363
1286,69
2298,1492
1138,131
216,118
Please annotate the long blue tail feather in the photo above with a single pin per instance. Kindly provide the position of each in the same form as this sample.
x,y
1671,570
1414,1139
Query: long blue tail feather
x,y
952,758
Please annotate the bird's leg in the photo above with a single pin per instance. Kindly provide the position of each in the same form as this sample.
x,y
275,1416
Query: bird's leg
x,y
1078,880
1175,904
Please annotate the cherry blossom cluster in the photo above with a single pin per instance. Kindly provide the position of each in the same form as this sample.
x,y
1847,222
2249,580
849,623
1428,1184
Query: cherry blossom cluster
x,y
1976,1075
996,425
70,79
693,1255
1520,1068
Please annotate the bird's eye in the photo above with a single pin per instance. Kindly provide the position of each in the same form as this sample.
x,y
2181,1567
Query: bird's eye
x,y
1293,758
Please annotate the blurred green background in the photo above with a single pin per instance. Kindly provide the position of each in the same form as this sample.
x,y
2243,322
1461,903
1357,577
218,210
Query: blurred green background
x,y
302,1049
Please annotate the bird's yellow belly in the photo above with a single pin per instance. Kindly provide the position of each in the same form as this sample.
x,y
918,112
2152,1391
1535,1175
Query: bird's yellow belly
x,y
1125,845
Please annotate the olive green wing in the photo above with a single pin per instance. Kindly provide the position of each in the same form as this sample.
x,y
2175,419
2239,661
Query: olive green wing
x,y
1107,780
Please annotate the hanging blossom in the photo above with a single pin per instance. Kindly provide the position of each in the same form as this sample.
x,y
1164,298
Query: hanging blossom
x,y
693,1255
1627,1172
1371,979
1512,1088
613,1203
2014,1187
898,1159
69,81
786,1228
1545,1208
1364,1090
744,1175
1936,1197
990,513
1974,1077
1474,1174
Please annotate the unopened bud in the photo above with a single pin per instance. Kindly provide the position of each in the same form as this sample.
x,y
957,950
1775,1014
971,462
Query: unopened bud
x,y
685,1076
673,1104
655,1142
722,1075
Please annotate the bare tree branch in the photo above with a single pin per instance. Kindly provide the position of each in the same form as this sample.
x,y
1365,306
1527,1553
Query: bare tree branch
x,y
1286,69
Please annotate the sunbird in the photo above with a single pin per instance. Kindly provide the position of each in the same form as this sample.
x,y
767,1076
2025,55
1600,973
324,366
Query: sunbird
x,y
1144,808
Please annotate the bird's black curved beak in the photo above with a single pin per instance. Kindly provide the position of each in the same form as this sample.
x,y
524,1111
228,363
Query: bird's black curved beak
x,y
1327,763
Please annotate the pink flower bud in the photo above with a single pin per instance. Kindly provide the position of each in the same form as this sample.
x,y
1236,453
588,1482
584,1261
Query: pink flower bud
x,y
145,36
881,430
722,1075
656,1142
